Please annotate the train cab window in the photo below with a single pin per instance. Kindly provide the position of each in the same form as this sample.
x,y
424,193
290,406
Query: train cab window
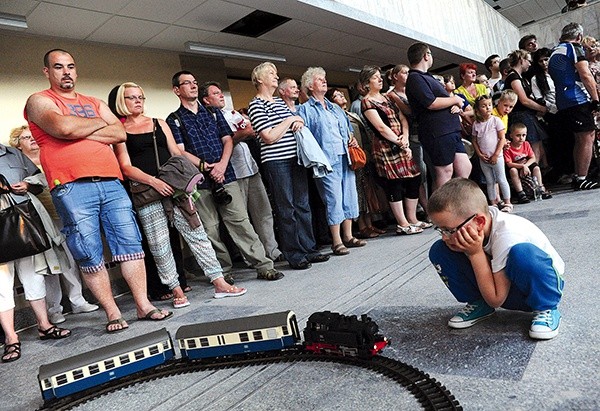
x,y
109,364
139,354
94,369
244,337
153,350
271,333
46,384
124,359
285,330
61,379
257,335
77,374
204,342
166,345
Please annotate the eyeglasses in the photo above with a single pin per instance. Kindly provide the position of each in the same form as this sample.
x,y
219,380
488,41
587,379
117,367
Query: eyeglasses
x,y
449,231
188,82
25,138
135,98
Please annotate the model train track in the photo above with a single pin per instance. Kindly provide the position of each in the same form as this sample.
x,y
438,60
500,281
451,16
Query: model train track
x,y
429,393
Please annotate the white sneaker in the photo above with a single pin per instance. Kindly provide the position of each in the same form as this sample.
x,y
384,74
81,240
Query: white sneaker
x,y
85,308
57,318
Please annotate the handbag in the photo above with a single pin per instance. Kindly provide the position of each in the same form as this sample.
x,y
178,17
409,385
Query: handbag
x,y
22,232
141,193
358,157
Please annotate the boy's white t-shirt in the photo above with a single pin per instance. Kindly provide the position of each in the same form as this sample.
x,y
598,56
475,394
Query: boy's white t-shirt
x,y
508,230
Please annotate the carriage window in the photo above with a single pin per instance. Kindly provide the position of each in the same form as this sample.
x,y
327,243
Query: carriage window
x,y
139,354
124,359
47,384
61,379
271,333
204,342
191,343
244,337
166,345
109,364
257,335
153,350
284,329
78,374
94,369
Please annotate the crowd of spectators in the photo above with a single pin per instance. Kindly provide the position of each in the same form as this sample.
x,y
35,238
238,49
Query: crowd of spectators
x,y
418,130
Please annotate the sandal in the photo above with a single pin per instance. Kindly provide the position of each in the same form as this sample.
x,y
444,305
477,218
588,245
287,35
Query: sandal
x,y
9,350
180,302
230,292
546,195
354,242
367,232
507,208
269,275
120,321
409,230
340,249
54,333
422,224
229,279
165,297
187,289
149,315
377,230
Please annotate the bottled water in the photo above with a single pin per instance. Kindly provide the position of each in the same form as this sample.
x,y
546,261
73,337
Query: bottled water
x,y
537,191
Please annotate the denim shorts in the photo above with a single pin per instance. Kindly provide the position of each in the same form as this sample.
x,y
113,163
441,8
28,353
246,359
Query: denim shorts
x,y
90,208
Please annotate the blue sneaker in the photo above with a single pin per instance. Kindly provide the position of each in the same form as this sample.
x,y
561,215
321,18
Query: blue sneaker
x,y
545,324
471,315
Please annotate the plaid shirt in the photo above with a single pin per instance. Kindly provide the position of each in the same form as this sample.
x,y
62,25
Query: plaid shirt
x,y
204,131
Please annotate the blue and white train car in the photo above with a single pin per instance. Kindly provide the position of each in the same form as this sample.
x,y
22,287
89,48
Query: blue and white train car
x,y
90,369
238,336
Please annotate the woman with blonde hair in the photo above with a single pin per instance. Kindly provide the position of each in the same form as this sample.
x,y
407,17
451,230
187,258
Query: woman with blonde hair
x,y
137,158
275,125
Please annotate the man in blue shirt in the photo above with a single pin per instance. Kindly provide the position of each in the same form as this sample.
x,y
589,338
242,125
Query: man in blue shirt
x,y
206,139
575,85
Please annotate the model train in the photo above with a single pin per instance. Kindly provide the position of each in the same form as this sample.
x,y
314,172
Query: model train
x,y
325,332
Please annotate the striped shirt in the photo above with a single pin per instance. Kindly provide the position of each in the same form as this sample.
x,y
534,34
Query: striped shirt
x,y
268,114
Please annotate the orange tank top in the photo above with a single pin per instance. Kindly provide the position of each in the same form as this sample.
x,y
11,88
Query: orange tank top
x,y
67,160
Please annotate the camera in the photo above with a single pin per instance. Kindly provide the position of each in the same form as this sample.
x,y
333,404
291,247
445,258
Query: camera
x,y
220,196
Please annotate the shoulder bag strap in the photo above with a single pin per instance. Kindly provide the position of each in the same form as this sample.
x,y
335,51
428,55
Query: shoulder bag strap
x,y
155,123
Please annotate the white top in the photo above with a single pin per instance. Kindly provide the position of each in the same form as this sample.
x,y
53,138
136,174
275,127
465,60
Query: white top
x,y
510,229
241,159
486,134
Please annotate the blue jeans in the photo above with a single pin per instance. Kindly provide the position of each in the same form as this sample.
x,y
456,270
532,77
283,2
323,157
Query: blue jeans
x,y
289,188
535,284
86,207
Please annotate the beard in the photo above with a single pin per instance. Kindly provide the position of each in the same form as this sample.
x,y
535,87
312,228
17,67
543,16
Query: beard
x,y
67,86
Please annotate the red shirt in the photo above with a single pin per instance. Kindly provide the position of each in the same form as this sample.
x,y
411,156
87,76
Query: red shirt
x,y
519,156
63,160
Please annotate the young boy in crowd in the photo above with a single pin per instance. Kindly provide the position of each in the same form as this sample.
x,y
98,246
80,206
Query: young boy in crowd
x,y
505,104
489,259
520,162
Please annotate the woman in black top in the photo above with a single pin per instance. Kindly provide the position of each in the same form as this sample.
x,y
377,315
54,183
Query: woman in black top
x,y
137,159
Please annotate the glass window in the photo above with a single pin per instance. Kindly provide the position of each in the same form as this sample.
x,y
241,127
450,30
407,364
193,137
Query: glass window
x,y
257,335
78,374
284,329
139,354
124,359
153,350
204,342
109,364
94,369
61,379
244,337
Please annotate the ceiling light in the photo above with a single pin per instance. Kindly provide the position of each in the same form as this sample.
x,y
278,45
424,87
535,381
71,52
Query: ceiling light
x,y
12,21
227,52
354,69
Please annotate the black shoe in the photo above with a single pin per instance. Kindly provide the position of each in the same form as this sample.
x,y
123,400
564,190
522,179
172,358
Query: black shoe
x,y
584,184
319,258
304,265
229,279
522,198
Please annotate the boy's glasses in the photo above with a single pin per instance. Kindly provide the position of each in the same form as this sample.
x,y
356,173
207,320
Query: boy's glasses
x,y
449,231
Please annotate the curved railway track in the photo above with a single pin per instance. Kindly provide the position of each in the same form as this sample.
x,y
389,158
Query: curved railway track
x,y
429,393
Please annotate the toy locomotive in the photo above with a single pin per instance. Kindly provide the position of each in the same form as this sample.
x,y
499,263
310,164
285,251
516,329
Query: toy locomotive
x,y
325,332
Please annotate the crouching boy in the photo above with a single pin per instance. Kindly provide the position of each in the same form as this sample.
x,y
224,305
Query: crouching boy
x,y
489,259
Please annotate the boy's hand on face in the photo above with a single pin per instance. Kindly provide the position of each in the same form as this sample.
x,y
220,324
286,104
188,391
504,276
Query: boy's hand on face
x,y
469,239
